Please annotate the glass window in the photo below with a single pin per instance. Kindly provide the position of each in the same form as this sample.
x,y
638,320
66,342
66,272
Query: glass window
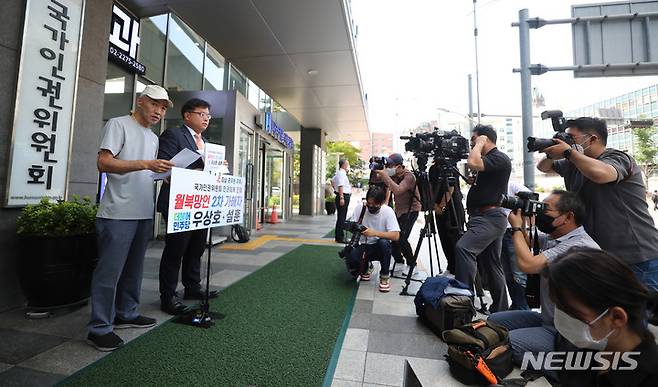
x,y
254,92
237,81
152,46
265,102
213,70
185,57
118,92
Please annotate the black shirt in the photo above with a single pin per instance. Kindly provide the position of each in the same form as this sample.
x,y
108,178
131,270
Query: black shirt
x,y
491,182
645,375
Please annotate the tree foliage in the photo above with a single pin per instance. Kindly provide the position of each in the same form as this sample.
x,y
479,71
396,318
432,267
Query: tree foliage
x,y
646,151
342,150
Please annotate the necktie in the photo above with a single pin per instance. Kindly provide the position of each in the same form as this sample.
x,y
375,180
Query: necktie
x,y
199,141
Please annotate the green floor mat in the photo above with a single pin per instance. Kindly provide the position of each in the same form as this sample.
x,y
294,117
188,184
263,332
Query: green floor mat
x,y
282,323
332,234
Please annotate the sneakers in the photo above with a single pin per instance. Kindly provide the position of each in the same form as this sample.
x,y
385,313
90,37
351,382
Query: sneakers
x,y
106,343
384,284
366,276
137,322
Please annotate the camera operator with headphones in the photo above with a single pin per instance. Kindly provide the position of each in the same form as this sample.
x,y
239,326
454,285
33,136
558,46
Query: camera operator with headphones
x,y
486,225
402,183
611,184
560,226
374,244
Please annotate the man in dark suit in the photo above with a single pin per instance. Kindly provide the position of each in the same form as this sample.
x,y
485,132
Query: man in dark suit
x,y
186,247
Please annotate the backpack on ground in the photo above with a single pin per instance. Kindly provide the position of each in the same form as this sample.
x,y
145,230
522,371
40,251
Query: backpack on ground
x,y
443,304
239,234
479,353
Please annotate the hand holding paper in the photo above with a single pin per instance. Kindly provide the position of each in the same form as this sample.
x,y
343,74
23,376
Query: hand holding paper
x,y
184,158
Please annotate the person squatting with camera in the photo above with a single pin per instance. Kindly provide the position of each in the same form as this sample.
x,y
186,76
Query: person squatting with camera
x,y
402,183
377,225
481,243
610,182
560,226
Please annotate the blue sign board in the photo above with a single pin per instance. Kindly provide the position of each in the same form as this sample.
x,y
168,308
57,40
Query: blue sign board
x,y
275,131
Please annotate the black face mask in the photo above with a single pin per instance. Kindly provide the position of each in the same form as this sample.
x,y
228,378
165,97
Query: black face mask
x,y
373,210
545,223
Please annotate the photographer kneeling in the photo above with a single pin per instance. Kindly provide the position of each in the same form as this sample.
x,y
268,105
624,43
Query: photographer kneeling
x,y
381,227
561,229
402,183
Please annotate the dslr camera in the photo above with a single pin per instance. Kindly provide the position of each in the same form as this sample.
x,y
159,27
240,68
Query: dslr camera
x,y
527,202
560,125
377,163
356,229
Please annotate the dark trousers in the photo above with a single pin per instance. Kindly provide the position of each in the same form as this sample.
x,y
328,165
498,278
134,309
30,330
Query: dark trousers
x,y
341,216
117,280
378,251
402,248
186,247
482,244
449,234
514,278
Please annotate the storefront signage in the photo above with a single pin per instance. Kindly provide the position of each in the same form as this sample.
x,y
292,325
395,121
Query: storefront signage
x,y
201,200
43,117
272,129
124,40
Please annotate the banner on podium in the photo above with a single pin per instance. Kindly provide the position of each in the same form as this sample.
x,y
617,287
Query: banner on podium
x,y
199,200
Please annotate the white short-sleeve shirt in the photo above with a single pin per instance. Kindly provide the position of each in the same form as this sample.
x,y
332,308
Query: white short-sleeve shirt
x,y
340,179
384,220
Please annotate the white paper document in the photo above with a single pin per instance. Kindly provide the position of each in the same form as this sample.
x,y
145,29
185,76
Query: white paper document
x,y
182,159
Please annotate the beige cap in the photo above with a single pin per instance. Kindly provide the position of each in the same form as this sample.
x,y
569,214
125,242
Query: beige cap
x,y
157,92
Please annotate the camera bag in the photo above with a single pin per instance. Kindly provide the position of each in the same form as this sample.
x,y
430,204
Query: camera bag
x,y
453,311
443,303
479,353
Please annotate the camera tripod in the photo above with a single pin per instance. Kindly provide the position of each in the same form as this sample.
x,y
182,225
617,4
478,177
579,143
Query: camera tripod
x,y
448,177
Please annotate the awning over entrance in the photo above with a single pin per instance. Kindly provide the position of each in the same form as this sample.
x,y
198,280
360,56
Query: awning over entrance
x,y
301,52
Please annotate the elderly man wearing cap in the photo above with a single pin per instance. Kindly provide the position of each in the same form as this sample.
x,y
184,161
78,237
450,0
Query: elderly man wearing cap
x,y
402,183
124,222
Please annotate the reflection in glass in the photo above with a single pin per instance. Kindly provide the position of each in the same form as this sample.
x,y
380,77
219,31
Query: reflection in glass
x,y
184,58
153,40
253,94
213,76
274,179
118,92
237,81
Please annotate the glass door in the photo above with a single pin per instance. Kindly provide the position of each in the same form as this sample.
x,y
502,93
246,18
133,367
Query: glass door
x,y
245,168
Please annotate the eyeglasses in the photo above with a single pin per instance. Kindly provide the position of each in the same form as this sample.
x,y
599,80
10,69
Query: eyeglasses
x,y
202,114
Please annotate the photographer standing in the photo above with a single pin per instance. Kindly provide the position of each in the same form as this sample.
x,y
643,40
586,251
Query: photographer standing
x,y
343,190
402,183
381,227
486,225
515,279
611,184
561,230
450,217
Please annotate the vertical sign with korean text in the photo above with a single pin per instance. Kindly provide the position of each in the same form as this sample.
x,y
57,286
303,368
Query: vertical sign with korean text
x,y
43,117
199,200
214,156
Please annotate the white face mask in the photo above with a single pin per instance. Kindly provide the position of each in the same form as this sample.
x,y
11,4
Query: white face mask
x,y
390,171
577,332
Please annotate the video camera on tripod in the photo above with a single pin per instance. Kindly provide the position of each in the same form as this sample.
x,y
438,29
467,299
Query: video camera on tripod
x,y
560,125
439,144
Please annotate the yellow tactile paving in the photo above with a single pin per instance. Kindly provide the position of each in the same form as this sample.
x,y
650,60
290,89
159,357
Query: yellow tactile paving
x,y
263,239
